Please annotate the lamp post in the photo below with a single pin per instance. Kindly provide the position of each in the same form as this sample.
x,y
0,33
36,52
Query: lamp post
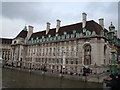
x,y
113,65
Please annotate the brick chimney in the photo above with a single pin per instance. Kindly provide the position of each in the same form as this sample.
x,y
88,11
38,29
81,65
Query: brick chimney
x,y
84,16
47,27
30,31
101,22
58,25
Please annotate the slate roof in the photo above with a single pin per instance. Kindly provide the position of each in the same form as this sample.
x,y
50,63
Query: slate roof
x,y
5,41
90,25
22,34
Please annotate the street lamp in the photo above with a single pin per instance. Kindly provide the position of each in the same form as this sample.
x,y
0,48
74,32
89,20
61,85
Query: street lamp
x,y
113,65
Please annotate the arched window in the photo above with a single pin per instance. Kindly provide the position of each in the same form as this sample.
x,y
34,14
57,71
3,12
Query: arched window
x,y
87,54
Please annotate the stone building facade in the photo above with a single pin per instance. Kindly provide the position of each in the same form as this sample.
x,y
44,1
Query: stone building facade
x,y
65,48
5,48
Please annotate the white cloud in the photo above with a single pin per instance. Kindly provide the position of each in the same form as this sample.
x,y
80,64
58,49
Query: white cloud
x,y
11,27
16,15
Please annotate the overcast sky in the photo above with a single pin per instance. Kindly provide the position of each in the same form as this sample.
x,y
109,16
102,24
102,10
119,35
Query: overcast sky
x,y
15,15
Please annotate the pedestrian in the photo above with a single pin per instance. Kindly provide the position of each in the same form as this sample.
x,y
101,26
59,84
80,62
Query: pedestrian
x,y
114,83
88,70
84,71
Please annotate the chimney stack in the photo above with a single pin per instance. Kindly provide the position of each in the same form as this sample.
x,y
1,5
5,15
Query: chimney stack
x,y
84,16
30,31
48,27
30,28
101,22
58,25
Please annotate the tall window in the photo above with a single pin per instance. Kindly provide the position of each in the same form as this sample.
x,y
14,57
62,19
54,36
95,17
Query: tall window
x,y
105,48
87,54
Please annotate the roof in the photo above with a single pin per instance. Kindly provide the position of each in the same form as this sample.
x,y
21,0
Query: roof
x,y
25,28
90,25
38,34
5,41
22,34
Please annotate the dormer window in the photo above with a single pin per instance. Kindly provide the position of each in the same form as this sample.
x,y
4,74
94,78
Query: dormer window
x,y
47,39
34,40
84,30
31,38
40,40
72,35
65,33
77,35
36,37
63,36
68,36
58,37
37,40
88,32
56,34
43,39
74,31
42,36
51,38
29,41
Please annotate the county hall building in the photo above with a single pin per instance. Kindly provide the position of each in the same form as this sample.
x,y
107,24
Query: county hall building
x,y
68,48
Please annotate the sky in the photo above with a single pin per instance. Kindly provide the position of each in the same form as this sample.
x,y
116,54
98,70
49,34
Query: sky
x,y
15,15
